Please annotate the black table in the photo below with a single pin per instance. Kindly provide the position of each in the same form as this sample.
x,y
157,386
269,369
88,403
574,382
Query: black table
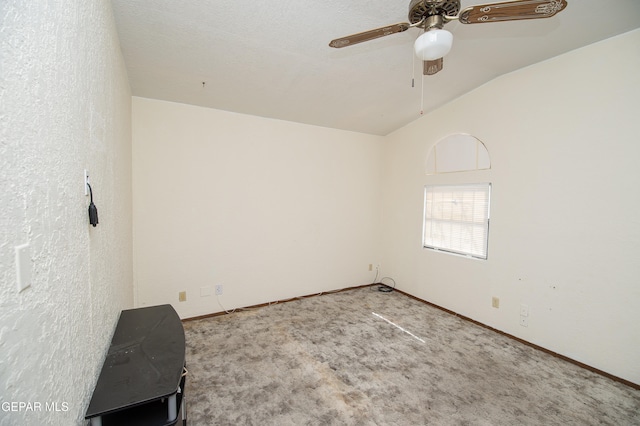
x,y
143,376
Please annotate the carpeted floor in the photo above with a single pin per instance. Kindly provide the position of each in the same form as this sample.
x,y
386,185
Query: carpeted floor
x,y
362,357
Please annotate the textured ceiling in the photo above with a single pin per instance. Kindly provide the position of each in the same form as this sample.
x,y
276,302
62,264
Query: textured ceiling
x,y
272,59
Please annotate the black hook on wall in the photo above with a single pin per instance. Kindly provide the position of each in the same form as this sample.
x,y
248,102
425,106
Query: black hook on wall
x,y
93,210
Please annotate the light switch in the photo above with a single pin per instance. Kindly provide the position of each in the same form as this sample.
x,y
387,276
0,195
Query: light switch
x,y
24,266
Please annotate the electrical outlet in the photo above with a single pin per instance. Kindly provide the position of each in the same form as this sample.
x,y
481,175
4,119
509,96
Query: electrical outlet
x,y
524,321
495,302
524,310
182,296
218,289
371,266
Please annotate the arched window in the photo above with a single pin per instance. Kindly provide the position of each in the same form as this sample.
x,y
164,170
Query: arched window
x,y
458,153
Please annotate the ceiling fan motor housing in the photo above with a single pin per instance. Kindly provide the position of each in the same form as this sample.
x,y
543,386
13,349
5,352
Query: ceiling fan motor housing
x,y
420,10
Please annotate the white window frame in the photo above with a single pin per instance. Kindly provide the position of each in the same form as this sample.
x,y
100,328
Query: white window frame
x,y
456,219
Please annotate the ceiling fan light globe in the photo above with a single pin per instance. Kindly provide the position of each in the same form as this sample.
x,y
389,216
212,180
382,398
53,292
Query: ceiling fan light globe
x,y
433,44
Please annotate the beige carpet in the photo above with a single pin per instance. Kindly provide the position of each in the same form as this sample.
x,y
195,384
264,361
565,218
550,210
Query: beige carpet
x,y
362,357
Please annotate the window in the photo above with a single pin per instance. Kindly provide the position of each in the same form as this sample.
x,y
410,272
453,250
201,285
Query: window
x,y
456,218
458,152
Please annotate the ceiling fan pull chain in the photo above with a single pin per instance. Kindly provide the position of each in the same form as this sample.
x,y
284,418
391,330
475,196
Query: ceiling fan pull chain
x,y
422,98
413,70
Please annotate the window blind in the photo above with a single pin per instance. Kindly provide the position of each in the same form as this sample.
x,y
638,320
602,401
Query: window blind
x,y
456,218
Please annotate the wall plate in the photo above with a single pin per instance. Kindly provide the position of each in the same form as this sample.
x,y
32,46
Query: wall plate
x,y
24,266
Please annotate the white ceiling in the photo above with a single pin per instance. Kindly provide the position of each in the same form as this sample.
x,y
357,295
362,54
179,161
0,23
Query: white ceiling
x,y
272,59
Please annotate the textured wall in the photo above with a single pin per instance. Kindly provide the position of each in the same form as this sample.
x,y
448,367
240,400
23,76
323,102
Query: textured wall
x,y
564,235
65,107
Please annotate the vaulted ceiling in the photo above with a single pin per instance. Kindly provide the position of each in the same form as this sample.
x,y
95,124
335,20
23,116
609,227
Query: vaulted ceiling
x,y
272,58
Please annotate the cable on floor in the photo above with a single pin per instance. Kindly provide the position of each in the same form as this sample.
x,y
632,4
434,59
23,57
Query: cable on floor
x,y
231,311
385,288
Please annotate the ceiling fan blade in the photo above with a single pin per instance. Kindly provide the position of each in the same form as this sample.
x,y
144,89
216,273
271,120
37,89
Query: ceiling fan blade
x,y
511,11
369,35
432,67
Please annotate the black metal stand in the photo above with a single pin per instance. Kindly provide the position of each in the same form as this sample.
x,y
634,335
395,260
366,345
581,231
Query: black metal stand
x,y
143,377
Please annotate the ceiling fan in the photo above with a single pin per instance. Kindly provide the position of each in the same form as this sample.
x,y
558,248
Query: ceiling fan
x,y
432,15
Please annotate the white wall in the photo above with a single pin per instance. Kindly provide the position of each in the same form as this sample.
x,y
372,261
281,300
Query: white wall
x,y
269,209
65,106
565,235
